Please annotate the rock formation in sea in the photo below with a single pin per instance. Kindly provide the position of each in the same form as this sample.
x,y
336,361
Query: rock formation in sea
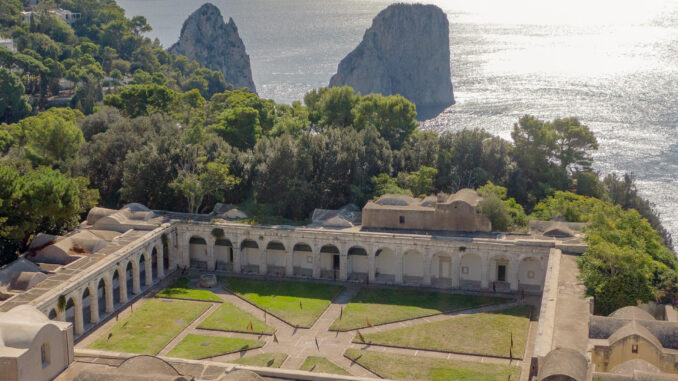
x,y
406,51
206,38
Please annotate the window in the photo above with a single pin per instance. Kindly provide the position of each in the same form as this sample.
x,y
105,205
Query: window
x,y
44,354
402,219
530,275
464,269
634,348
309,259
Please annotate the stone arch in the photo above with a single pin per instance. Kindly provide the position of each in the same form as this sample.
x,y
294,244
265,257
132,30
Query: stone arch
x,y
385,265
530,274
358,263
413,267
251,258
73,313
330,259
90,311
276,258
441,269
302,259
470,271
197,252
223,254
101,296
132,276
119,288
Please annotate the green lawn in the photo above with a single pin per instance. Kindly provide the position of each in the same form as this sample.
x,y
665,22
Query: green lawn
x,y
402,367
298,303
381,306
181,290
230,318
150,327
270,360
487,333
199,346
322,365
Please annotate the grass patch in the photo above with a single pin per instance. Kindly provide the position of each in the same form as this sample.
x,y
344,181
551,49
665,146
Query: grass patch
x,y
381,305
298,303
486,333
150,327
181,290
322,365
270,360
230,318
403,367
199,347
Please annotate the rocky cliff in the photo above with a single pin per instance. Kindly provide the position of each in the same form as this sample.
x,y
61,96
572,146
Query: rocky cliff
x,y
406,51
216,45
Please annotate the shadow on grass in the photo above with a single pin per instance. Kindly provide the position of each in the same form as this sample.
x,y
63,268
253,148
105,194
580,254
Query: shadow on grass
x,y
275,288
441,301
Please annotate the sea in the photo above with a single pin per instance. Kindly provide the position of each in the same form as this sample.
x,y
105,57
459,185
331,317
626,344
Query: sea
x,y
611,63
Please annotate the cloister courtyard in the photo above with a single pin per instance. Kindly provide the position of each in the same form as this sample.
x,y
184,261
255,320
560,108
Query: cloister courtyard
x,y
355,329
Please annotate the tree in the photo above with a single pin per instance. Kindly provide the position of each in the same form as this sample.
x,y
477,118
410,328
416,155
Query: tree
x,y
10,12
331,106
40,200
574,142
138,100
197,179
239,126
420,182
504,212
385,184
393,116
13,102
53,141
616,276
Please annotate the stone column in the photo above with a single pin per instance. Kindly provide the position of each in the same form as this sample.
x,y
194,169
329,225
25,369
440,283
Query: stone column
x,y
484,271
316,262
343,266
211,261
94,303
455,271
148,267
136,282
427,267
289,261
263,265
237,267
123,286
108,291
161,260
400,263
371,264
513,274
78,326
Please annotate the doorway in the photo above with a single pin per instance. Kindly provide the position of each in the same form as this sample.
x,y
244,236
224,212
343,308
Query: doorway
x,y
501,273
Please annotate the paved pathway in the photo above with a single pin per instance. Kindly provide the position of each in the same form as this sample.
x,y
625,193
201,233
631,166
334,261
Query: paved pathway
x,y
571,328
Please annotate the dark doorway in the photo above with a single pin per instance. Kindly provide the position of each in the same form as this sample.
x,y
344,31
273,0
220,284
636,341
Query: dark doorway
x,y
335,262
501,273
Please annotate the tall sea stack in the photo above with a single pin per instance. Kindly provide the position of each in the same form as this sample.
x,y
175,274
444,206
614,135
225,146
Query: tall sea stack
x,y
406,51
216,45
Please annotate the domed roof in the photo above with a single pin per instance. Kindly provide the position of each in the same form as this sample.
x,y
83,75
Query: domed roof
x,y
564,362
147,365
395,200
632,313
241,375
634,329
136,207
466,195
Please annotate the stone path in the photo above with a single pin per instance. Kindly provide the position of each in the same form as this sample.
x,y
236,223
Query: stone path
x,y
571,328
299,343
